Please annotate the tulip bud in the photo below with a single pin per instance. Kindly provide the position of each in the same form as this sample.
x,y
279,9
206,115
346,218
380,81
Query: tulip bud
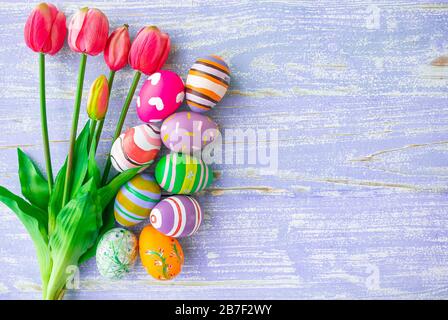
x,y
117,48
98,98
149,50
45,29
88,31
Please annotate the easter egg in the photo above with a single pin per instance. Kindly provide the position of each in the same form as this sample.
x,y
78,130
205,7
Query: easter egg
x,y
182,174
177,216
207,82
137,147
162,256
116,253
135,199
188,131
160,96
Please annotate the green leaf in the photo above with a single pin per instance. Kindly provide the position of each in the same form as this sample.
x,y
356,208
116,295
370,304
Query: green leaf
x,y
76,230
34,185
92,170
80,161
55,203
108,192
20,207
106,196
35,222
108,223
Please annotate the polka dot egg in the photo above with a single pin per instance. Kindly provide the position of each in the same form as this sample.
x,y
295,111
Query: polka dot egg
x,y
160,96
135,199
177,216
162,256
137,147
116,253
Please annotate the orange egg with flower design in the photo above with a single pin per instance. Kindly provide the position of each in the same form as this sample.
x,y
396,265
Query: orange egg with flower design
x,y
162,256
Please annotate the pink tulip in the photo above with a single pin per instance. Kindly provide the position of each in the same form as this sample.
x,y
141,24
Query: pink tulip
x,y
45,29
98,98
88,31
117,48
149,50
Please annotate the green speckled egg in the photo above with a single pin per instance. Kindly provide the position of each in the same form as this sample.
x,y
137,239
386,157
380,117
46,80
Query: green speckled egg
x,y
116,253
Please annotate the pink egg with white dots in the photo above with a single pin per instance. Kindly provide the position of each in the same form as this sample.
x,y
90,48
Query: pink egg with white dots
x,y
161,95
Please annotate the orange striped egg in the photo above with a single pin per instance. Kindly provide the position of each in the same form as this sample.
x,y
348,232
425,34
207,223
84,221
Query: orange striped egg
x,y
207,82
137,147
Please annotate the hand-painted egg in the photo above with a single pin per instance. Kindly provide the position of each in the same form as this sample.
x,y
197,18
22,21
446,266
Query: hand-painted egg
x,y
176,216
135,199
207,82
116,253
188,132
162,256
182,174
160,96
137,147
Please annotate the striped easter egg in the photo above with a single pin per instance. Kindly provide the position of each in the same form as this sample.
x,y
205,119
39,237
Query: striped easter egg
x,y
207,82
137,147
177,216
135,199
182,174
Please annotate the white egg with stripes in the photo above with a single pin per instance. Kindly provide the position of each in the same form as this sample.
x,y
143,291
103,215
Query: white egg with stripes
x,y
207,82
177,216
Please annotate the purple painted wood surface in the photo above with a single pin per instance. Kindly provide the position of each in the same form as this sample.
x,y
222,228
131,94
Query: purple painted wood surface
x,y
358,207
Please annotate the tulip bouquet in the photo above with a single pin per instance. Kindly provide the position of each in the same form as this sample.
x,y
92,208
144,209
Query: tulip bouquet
x,y
66,216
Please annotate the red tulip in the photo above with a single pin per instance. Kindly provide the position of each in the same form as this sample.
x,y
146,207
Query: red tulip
x,y
88,31
45,29
117,48
149,50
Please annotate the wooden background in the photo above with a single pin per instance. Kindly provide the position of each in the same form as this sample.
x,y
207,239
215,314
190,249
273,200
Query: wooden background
x,y
358,207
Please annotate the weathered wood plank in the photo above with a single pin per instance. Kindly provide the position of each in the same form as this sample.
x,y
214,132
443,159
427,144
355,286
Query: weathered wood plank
x,y
358,206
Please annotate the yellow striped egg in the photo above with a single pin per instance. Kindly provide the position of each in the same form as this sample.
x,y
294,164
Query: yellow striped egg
x,y
135,199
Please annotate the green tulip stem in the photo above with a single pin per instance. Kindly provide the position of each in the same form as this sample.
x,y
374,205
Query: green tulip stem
x,y
43,121
91,131
99,128
81,73
124,112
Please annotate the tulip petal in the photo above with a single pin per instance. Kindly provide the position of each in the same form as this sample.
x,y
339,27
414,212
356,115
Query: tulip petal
x,y
75,27
117,49
153,47
40,28
166,46
37,27
94,32
97,101
28,32
149,50
58,33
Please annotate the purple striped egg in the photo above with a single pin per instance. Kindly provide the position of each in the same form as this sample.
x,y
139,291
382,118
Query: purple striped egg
x,y
177,216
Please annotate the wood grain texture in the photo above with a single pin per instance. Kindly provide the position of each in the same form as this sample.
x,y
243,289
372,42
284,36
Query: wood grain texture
x,y
358,207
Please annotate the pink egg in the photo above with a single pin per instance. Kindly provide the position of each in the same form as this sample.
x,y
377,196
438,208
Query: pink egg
x,y
161,95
